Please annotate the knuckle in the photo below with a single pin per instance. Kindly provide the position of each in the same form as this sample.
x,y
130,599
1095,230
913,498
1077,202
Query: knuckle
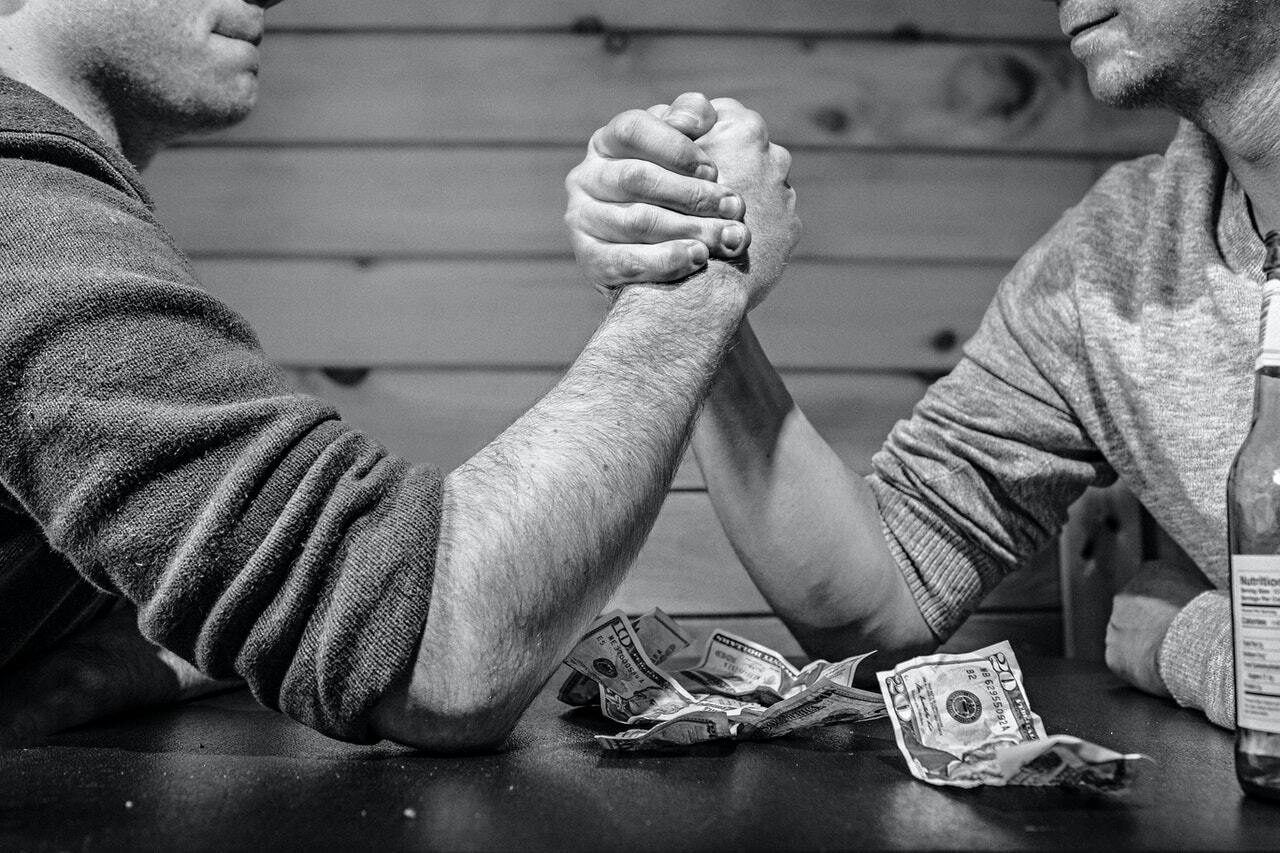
x,y
634,179
598,141
675,261
687,158
704,199
573,180
623,266
755,127
783,157
626,127
577,215
642,221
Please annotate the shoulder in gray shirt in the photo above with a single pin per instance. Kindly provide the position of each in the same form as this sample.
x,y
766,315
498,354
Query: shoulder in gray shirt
x,y
1121,345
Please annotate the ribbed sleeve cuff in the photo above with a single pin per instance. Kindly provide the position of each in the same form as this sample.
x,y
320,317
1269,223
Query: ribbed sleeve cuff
x,y
376,616
1195,657
946,574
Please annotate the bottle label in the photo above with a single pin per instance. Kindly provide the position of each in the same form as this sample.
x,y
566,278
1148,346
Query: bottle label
x,y
1269,350
1255,612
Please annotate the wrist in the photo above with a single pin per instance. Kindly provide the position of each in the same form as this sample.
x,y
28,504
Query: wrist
x,y
716,292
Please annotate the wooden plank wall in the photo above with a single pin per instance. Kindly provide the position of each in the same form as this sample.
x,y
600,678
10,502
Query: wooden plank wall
x,y
390,217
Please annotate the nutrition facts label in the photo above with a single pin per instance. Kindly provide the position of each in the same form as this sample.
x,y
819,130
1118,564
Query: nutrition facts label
x,y
1255,609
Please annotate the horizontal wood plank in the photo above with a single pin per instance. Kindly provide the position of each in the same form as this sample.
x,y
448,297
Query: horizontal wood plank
x,y
467,88
396,202
1032,634
502,313
485,203
965,18
443,417
688,566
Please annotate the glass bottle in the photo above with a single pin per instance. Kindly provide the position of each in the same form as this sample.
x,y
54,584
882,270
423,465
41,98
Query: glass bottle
x,y
1253,532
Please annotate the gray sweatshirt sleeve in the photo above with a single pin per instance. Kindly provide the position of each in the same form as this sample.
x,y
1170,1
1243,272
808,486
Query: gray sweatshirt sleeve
x,y
1195,658
169,461
981,476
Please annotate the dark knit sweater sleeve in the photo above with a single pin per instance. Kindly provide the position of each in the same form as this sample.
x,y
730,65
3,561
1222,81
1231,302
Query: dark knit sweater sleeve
x,y
145,432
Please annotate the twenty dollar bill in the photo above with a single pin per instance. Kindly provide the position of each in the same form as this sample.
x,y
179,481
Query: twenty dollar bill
x,y
965,720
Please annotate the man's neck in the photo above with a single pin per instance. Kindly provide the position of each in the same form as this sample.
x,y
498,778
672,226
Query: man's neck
x,y
90,110
1247,130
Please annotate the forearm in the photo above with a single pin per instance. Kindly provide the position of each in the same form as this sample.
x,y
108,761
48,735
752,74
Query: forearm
x,y
807,528
540,526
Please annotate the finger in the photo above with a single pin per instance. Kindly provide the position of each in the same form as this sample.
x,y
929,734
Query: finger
x,y
726,107
647,224
691,114
640,135
782,160
738,120
612,265
641,181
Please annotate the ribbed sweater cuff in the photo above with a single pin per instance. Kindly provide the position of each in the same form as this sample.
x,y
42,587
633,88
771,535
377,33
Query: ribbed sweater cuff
x,y
1195,657
944,572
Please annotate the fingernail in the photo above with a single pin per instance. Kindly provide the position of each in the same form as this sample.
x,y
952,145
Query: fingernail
x,y
730,207
698,253
733,236
678,118
705,172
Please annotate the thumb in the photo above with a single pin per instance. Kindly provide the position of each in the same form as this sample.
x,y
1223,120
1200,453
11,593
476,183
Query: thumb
x,y
691,114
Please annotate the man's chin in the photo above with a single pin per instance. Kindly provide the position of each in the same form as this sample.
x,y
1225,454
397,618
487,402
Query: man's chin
x,y
211,117
1126,91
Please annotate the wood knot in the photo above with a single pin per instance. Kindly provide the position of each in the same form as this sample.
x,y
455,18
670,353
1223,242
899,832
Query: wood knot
x,y
1002,86
587,25
347,377
831,119
944,340
616,42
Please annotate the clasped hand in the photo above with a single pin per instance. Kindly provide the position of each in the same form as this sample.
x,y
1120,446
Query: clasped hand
x,y
106,668
1141,614
664,190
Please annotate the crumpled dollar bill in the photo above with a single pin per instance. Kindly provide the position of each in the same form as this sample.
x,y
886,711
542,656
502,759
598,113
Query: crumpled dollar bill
x,y
739,690
964,720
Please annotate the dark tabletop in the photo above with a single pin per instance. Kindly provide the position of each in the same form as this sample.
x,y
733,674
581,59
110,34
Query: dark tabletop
x,y
224,773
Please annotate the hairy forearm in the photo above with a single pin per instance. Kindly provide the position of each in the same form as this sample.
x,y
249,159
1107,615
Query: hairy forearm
x,y
540,526
807,528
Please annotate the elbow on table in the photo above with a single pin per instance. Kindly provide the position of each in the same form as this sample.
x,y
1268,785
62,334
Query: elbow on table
x,y
454,725
469,734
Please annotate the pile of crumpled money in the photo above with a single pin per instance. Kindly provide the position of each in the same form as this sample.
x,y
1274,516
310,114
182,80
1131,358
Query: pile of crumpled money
x,y
959,719
739,690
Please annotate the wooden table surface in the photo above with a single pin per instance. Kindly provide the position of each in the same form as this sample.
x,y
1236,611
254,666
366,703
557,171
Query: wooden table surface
x,y
223,773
